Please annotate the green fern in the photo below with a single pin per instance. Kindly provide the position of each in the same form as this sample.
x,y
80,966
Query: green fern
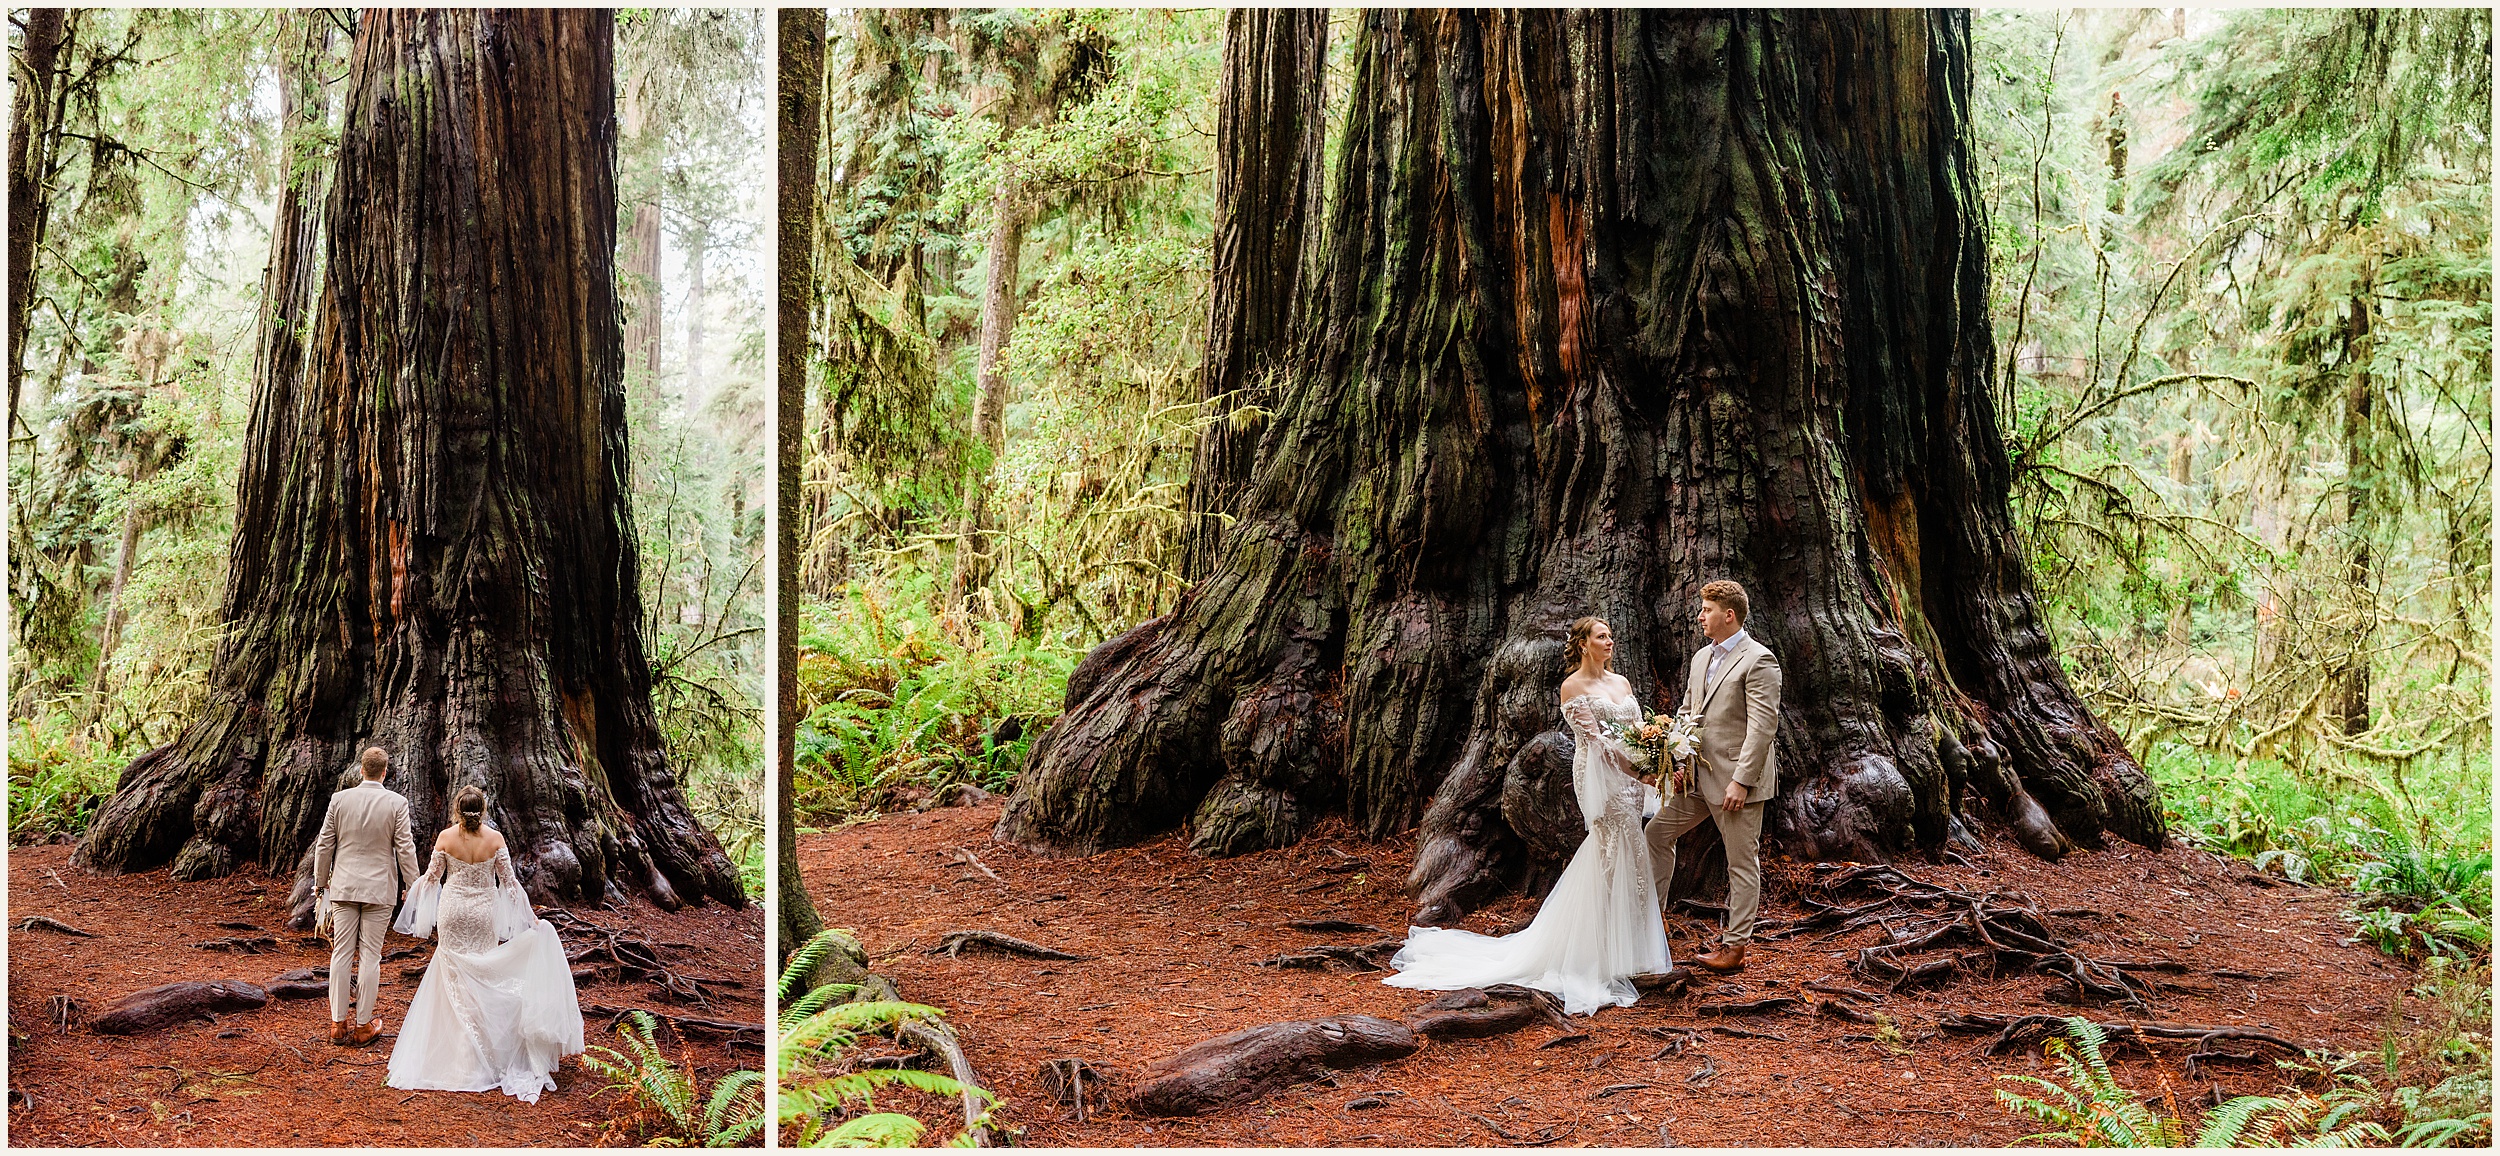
x,y
2095,1112
651,1082
818,1029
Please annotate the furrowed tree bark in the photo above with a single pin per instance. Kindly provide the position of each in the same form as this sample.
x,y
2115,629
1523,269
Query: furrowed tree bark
x,y
1613,303
32,121
433,549
802,82
1270,135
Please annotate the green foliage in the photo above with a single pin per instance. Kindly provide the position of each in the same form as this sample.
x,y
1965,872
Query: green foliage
x,y
669,1095
2091,1110
824,1101
903,701
57,778
2329,1104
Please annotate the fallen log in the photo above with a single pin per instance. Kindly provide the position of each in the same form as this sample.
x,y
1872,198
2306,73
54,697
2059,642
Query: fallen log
x,y
158,1008
1242,1066
953,943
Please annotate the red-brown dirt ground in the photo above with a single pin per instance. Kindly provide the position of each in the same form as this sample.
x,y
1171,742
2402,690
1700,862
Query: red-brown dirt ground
x,y
1172,940
270,1077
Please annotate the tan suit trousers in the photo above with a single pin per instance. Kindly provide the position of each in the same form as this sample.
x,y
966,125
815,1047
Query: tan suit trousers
x,y
1740,830
356,931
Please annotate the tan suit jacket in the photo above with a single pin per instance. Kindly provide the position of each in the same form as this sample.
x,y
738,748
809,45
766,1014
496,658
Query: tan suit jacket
x,y
1740,715
365,852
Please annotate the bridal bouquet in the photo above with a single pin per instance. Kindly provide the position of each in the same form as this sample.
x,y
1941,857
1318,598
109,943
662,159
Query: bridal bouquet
x,y
1679,744
1656,738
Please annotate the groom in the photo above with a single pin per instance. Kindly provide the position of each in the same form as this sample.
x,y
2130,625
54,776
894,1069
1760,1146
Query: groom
x,y
362,863
1734,685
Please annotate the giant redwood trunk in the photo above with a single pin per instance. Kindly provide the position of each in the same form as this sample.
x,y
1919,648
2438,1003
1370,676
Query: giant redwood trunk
x,y
433,551
34,118
1610,304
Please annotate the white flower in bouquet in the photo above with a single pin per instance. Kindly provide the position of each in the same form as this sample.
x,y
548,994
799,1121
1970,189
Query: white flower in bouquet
x,y
1635,743
1683,735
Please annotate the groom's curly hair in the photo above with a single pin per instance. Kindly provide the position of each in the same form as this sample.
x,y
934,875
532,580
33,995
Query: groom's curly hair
x,y
1726,592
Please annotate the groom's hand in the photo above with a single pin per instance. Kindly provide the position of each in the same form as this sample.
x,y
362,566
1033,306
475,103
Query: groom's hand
x,y
1735,799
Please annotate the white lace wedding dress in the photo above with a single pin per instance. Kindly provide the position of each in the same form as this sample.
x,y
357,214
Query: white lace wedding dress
x,y
1600,924
496,1009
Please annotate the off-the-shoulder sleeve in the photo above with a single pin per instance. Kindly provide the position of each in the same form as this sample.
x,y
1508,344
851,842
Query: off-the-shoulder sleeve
x,y
425,897
512,904
1582,719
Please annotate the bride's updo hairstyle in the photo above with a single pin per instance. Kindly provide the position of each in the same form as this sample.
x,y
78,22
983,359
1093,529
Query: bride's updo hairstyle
x,y
470,805
1580,632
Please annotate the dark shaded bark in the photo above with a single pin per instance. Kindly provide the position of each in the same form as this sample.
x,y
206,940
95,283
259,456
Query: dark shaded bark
x,y
1613,303
801,88
33,117
1270,135
2350,702
433,545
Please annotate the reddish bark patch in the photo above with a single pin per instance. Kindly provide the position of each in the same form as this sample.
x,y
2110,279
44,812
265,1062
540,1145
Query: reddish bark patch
x,y
270,1078
1173,941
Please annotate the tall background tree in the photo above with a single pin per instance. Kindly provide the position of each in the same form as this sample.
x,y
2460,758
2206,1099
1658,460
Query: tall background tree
x,y
1612,305
434,546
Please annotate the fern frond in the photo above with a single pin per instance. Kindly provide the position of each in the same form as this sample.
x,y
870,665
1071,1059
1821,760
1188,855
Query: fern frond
x,y
876,1130
804,961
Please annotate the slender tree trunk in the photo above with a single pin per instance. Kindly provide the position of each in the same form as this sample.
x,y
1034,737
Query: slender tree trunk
x,y
802,84
1270,135
698,386
433,545
32,121
642,242
2351,696
1613,303
973,561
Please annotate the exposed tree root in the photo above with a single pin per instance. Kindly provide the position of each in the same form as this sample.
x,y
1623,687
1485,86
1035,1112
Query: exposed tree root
x,y
729,1032
629,956
940,1040
1768,1006
2015,1031
1919,916
1242,1066
954,942
158,1008
1076,1084
1332,926
1473,1013
47,923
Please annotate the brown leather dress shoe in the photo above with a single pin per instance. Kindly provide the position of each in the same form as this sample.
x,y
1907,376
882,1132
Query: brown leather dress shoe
x,y
339,1030
1729,957
366,1033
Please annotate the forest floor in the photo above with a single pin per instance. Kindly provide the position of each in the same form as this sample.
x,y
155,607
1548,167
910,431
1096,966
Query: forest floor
x,y
270,1077
1172,941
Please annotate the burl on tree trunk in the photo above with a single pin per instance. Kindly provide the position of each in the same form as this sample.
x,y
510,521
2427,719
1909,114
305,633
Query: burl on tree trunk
x,y
433,550
1611,303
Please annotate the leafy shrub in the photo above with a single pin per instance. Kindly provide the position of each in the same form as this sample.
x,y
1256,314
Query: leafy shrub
x,y
669,1096
902,700
58,776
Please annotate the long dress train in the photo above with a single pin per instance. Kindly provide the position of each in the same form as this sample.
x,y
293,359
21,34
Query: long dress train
x,y
1600,925
496,1009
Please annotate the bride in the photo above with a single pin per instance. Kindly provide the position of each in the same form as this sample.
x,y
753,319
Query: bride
x,y
496,1009
1599,926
